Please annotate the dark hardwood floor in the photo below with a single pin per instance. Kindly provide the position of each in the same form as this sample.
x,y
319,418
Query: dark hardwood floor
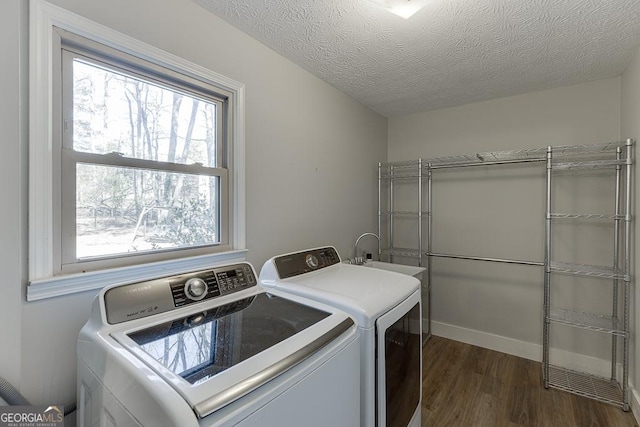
x,y
464,385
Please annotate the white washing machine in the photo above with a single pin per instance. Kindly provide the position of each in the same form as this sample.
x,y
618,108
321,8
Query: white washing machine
x,y
211,348
387,309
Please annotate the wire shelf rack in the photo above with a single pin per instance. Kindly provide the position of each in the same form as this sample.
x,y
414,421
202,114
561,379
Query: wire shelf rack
x,y
410,214
403,170
589,164
401,176
588,149
410,169
594,387
591,321
535,154
584,216
403,252
586,270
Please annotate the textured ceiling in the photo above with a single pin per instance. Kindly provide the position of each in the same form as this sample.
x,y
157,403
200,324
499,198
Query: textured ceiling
x,y
452,52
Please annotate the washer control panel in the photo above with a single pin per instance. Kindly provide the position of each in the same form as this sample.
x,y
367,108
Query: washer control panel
x,y
207,284
142,299
304,262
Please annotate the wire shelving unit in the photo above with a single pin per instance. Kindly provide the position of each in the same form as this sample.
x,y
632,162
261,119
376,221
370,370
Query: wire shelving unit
x,y
613,390
390,175
565,159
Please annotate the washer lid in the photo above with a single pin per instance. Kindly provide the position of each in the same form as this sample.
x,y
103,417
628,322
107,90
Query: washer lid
x,y
215,356
364,293
201,345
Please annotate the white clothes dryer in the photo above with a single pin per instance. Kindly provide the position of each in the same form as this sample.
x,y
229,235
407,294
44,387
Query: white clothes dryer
x,y
387,309
211,348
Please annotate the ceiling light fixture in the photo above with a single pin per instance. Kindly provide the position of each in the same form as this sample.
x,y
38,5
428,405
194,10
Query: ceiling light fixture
x,y
403,8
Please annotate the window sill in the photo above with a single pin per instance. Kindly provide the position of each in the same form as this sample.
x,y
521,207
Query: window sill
x,y
74,283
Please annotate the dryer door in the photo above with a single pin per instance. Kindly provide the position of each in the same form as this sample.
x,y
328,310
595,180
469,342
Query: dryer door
x,y
399,364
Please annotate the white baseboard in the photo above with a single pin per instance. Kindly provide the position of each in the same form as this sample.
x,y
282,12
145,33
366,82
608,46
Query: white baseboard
x,y
499,343
524,349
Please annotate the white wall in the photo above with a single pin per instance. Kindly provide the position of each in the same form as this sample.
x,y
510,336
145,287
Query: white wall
x,y
311,153
499,212
630,124
12,190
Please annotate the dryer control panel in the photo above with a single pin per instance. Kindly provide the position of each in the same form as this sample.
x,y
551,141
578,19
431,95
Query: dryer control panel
x,y
142,299
304,262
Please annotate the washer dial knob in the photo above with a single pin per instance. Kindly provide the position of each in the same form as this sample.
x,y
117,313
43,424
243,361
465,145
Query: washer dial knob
x,y
312,261
195,289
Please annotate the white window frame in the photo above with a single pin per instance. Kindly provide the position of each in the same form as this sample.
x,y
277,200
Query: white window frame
x,y
69,47
43,283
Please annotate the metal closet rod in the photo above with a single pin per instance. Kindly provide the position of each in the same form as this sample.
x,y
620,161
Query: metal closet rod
x,y
477,258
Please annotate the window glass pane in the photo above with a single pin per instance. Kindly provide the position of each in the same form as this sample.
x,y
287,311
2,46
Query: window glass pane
x,y
122,210
114,112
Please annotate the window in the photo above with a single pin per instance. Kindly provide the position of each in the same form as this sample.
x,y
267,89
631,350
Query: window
x,y
136,158
143,168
